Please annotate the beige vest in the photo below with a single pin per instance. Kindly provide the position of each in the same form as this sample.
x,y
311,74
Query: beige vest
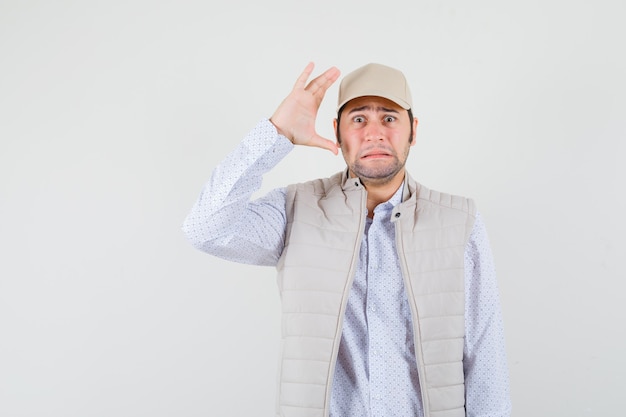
x,y
325,224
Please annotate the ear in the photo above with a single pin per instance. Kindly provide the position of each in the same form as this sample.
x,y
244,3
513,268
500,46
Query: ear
x,y
335,130
414,130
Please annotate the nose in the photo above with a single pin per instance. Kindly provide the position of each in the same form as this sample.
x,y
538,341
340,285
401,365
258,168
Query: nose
x,y
374,131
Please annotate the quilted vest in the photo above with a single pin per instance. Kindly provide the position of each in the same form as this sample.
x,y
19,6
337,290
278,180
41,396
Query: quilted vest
x,y
325,225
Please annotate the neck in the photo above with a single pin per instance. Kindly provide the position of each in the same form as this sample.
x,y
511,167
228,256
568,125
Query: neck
x,y
378,193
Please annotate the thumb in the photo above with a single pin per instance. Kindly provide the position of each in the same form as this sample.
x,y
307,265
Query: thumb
x,y
321,142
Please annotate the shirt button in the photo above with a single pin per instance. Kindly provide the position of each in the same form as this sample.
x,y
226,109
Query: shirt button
x,y
397,215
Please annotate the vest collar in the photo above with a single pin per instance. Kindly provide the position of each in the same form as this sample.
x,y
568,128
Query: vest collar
x,y
350,184
410,187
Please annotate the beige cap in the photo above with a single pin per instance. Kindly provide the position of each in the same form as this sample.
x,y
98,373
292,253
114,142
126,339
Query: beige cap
x,y
375,80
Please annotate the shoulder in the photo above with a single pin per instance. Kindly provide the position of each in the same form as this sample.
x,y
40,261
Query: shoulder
x,y
447,200
441,209
424,196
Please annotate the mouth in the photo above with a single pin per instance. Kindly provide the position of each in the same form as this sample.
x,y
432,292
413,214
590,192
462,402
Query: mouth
x,y
376,154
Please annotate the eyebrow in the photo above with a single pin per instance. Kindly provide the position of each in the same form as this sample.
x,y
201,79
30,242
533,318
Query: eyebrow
x,y
367,107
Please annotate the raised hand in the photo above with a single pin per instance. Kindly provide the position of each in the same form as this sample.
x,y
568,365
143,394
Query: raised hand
x,y
295,116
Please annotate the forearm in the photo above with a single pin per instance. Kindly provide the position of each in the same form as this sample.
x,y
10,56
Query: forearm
x,y
223,221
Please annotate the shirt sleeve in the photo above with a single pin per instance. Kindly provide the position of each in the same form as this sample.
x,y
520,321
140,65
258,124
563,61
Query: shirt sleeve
x,y
486,373
224,221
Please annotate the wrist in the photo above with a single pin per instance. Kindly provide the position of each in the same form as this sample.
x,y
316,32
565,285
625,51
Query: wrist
x,y
279,130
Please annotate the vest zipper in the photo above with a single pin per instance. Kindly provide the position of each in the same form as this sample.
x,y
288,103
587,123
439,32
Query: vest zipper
x,y
344,302
417,339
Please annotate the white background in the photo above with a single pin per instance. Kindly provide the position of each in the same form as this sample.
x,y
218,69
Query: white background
x,y
113,113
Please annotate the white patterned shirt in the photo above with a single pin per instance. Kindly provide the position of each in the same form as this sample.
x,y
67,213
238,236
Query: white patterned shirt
x,y
376,373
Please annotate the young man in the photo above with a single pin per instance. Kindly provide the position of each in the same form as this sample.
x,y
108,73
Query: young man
x,y
388,290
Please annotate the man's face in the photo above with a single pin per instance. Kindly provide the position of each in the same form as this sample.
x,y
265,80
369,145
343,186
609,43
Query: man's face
x,y
375,136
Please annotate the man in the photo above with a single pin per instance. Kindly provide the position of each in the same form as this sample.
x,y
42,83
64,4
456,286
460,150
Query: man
x,y
388,291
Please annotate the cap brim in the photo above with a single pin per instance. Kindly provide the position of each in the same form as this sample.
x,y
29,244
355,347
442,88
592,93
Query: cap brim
x,y
374,93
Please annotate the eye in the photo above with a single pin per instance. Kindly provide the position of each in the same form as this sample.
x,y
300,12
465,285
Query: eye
x,y
358,119
389,119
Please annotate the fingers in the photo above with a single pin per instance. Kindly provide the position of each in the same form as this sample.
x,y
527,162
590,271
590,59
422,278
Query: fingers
x,y
302,79
318,85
